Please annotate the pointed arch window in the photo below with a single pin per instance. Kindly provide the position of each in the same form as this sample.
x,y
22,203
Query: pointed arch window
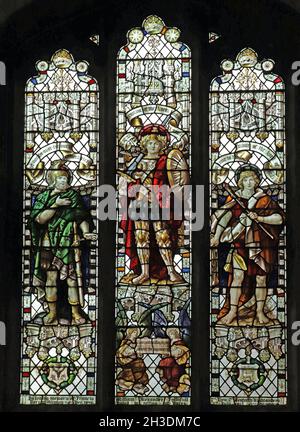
x,y
248,241
153,264
60,256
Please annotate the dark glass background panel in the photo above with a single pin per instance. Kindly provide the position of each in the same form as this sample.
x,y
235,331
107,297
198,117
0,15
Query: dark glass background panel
x,y
33,29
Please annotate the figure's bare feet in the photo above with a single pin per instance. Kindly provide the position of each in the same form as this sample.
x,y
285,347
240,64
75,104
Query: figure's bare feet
x,y
261,318
175,277
142,278
50,319
77,317
78,321
228,319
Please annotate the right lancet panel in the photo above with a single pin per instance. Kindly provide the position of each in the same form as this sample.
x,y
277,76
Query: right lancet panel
x,y
248,255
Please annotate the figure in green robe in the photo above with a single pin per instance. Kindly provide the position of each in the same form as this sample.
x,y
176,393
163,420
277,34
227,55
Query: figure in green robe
x,y
58,222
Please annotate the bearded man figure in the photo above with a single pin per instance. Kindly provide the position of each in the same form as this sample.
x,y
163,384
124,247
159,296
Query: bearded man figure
x,y
151,244
57,221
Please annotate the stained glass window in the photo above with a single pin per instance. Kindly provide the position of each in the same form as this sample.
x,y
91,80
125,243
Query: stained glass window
x,y
60,258
247,202
153,263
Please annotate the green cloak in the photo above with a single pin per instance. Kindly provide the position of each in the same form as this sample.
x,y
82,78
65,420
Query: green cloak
x,y
60,229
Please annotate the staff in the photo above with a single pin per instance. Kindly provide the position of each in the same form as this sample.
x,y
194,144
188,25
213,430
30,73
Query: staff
x,y
77,254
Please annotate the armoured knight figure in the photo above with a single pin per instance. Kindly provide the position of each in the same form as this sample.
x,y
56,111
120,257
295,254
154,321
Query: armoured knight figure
x,y
151,244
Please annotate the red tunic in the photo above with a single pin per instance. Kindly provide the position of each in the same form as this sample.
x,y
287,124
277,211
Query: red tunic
x,y
268,247
157,267
265,206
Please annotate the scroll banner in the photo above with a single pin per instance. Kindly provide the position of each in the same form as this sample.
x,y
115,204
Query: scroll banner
x,y
258,148
179,136
66,149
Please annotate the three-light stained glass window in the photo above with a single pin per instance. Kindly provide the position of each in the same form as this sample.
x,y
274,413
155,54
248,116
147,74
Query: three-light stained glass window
x,y
248,341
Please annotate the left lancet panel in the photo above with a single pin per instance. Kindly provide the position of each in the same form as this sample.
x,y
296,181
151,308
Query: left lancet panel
x,y
60,254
